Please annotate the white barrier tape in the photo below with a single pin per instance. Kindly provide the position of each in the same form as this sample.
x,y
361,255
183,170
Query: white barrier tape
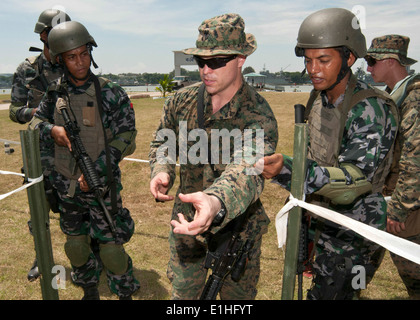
x,y
397,245
9,141
31,182
145,161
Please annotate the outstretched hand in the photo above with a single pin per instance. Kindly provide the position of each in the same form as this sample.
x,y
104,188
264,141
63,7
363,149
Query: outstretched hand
x,y
159,187
270,165
206,206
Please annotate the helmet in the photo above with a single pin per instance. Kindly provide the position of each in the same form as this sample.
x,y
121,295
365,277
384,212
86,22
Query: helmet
x,y
50,18
68,36
328,28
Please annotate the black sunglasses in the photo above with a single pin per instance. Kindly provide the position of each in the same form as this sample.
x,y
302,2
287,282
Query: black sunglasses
x,y
213,63
370,61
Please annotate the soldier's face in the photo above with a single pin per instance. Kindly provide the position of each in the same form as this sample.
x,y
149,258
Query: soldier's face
x,y
220,80
379,70
77,62
323,66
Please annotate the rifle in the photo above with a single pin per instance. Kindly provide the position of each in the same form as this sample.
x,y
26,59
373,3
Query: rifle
x,y
83,160
227,255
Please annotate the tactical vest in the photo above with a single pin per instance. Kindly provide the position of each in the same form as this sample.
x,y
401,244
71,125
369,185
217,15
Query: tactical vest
x,y
84,108
399,96
39,84
326,128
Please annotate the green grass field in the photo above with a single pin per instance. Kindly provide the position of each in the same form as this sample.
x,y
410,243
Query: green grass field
x,y
149,246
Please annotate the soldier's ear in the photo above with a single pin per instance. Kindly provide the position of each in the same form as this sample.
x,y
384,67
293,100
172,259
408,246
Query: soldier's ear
x,y
241,60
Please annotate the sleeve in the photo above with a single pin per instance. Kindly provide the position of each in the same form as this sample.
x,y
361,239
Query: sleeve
x,y
164,146
368,136
19,111
406,196
240,185
43,119
119,122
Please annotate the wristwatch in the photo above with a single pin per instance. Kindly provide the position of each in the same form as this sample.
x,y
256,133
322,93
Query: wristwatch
x,y
218,219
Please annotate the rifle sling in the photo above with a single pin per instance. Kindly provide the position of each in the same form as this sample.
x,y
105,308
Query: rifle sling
x,y
200,119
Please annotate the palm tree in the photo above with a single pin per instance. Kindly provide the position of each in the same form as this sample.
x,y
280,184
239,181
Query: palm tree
x,y
166,85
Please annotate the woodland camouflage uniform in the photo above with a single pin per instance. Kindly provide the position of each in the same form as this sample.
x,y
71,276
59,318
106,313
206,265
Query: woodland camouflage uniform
x,y
403,183
230,182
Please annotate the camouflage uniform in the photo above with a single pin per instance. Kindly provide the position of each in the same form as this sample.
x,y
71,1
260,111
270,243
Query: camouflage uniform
x,y
81,214
229,182
230,177
369,120
30,82
403,184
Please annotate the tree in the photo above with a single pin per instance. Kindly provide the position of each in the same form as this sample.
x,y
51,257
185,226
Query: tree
x,y
166,85
248,70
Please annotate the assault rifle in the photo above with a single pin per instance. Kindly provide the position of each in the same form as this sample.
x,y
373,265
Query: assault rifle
x,y
228,255
83,160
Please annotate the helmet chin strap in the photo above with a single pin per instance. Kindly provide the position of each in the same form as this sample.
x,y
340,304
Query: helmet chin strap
x,y
345,54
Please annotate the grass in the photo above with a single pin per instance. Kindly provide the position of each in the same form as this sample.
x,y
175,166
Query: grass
x,y
149,246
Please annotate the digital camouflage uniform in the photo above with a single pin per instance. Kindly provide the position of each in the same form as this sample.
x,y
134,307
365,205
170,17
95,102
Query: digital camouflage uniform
x,y
368,136
81,214
403,183
30,82
238,190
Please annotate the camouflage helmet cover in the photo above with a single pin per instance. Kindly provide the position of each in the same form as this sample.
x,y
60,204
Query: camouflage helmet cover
x,y
68,36
50,18
223,35
329,28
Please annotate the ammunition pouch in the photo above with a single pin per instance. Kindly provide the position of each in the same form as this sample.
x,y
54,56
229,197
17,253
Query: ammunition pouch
x,y
341,193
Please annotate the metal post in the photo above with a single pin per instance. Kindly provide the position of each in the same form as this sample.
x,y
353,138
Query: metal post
x,y
300,150
39,210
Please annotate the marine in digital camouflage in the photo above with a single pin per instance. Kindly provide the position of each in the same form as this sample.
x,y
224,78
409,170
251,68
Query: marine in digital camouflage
x,y
404,205
391,46
229,182
403,182
82,214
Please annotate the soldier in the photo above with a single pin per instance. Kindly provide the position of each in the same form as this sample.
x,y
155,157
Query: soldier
x,y
30,82
352,128
212,193
105,115
387,62
33,75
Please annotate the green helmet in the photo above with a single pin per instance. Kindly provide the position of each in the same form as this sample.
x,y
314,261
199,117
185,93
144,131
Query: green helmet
x,y
328,28
50,18
68,36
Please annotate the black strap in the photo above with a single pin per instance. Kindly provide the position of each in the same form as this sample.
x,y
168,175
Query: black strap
x,y
200,106
111,181
200,119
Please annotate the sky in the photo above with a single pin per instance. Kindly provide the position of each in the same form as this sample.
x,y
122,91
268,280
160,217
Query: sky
x,y
140,36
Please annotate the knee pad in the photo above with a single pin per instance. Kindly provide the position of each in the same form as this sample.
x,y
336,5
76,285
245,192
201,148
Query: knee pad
x,y
114,258
77,249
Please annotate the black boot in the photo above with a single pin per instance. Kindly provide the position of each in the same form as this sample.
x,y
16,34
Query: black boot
x,y
91,293
34,274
